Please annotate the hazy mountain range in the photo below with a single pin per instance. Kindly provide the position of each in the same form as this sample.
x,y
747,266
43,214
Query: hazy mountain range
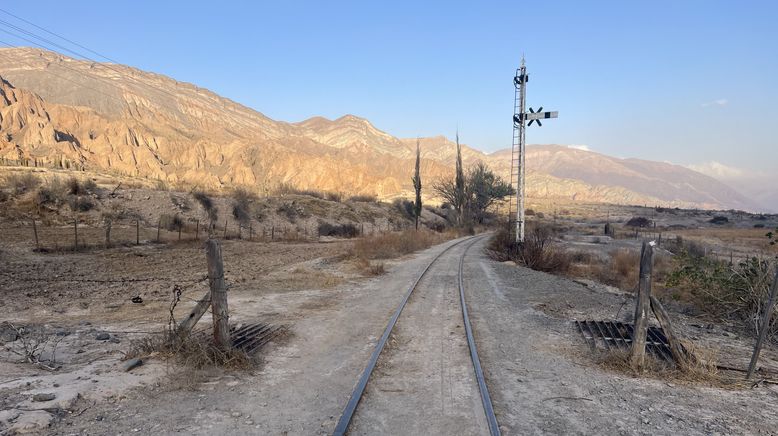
x,y
114,118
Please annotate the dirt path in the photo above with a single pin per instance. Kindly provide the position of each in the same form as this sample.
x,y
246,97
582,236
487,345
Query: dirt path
x,y
543,380
424,382
304,382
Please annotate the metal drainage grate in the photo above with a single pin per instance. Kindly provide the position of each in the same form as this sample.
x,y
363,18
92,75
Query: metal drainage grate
x,y
615,335
251,337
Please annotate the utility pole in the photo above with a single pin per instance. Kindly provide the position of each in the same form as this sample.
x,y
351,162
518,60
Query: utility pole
x,y
518,168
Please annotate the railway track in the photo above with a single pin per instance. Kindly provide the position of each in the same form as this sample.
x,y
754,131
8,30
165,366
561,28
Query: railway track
x,y
345,419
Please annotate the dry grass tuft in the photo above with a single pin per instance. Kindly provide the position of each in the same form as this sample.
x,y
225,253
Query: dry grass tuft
x,y
195,350
700,368
369,268
396,244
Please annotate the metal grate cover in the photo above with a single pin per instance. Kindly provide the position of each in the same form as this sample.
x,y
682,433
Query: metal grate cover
x,y
251,337
615,335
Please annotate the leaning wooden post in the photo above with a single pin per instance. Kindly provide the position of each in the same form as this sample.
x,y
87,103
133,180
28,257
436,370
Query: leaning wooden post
x,y
763,328
137,232
197,229
251,231
179,230
642,308
225,227
673,340
221,329
35,232
159,226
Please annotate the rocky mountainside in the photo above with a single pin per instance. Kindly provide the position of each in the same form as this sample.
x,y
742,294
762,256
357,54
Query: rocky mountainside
x,y
59,111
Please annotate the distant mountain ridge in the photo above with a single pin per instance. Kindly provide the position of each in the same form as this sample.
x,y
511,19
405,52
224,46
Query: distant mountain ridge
x,y
108,117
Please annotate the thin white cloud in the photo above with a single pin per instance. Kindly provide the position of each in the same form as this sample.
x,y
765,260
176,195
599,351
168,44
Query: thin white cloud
x,y
718,170
719,102
583,147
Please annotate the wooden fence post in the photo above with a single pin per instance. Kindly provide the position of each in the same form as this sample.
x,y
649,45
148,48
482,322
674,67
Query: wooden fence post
x,y
197,229
137,232
35,232
159,226
272,232
108,224
763,328
75,231
179,231
638,354
225,227
221,328
251,231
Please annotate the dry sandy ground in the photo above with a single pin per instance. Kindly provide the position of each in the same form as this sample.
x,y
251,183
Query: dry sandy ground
x,y
542,378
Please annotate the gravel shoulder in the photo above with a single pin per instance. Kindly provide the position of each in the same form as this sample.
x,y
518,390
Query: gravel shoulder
x,y
544,380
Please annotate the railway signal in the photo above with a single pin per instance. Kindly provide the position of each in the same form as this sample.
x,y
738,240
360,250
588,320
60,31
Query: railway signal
x,y
518,169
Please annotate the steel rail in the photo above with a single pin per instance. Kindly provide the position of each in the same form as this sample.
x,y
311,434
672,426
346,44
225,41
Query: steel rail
x,y
359,389
486,400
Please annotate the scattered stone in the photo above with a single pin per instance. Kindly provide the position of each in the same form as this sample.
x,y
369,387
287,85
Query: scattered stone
x,y
137,299
115,340
8,334
43,397
84,323
56,385
235,414
103,336
132,364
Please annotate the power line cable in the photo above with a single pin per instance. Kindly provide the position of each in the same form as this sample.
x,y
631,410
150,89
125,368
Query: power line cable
x,y
71,69
47,71
59,36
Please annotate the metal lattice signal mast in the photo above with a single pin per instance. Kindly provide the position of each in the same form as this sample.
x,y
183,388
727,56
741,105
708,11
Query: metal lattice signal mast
x,y
518,169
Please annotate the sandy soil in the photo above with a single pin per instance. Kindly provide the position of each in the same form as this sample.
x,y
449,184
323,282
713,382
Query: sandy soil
x,y
544,380
542,377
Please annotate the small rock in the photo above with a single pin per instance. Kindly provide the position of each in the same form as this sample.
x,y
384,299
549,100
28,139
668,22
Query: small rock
x,y
8,334
114,340
249,422
132,364
103,336
56,385
235,414
84,323
99,418
43,397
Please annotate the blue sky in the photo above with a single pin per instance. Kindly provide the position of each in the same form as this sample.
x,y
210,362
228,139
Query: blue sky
x,y
681,81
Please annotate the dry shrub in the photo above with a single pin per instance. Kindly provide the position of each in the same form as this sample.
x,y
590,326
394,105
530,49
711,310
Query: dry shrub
x,y
539,250
195,350
700,368
21,183
347,230
391,245
363,198
622,271
369,268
